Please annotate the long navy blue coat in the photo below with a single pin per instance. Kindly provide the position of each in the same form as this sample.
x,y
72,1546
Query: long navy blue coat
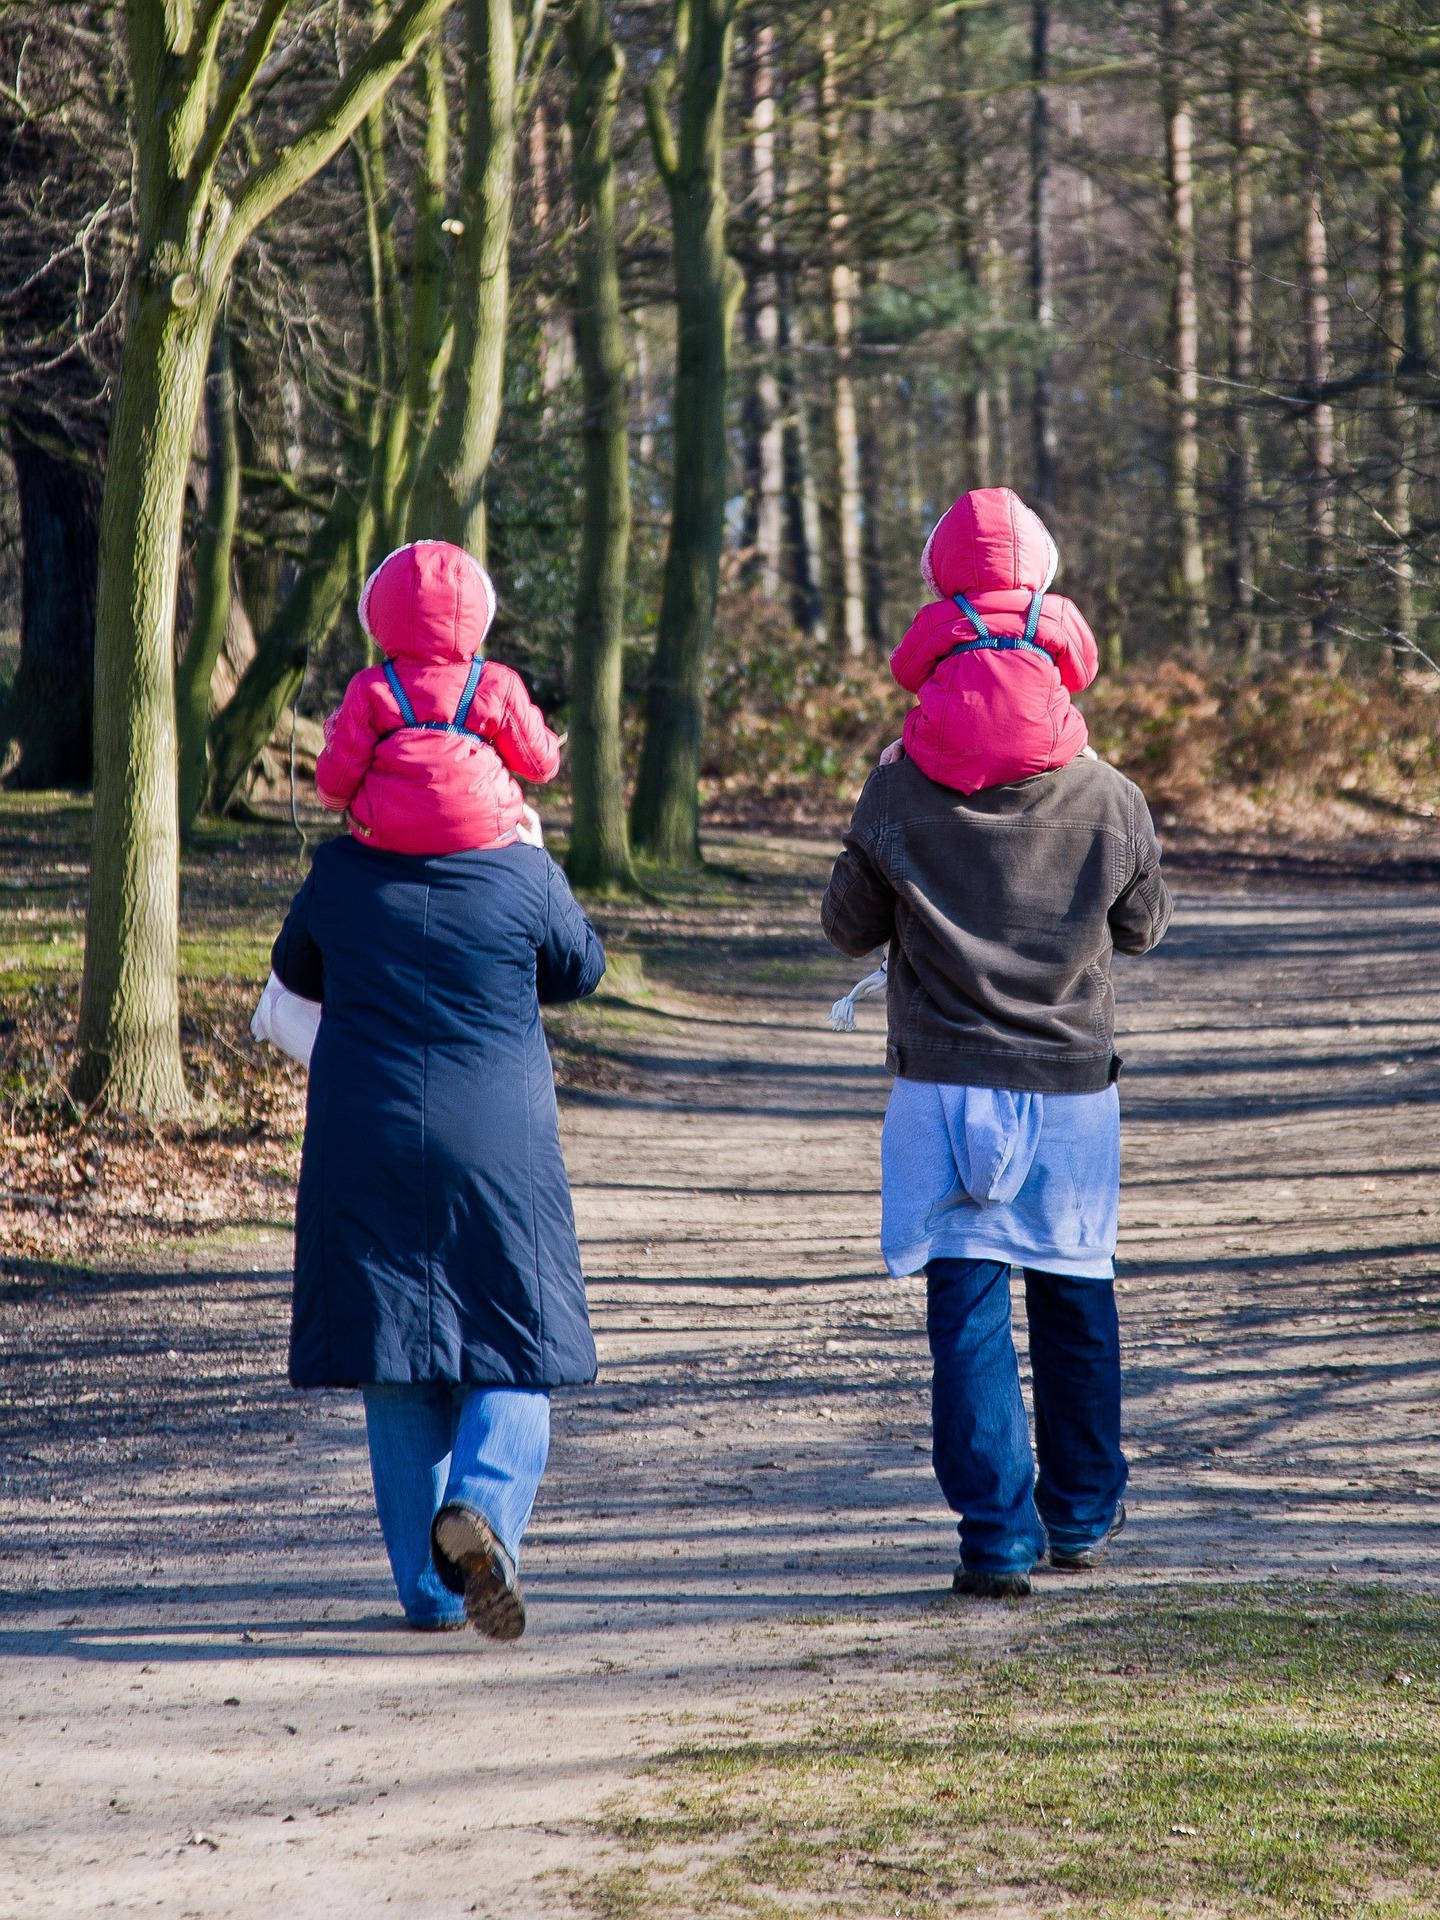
x,y
434,1236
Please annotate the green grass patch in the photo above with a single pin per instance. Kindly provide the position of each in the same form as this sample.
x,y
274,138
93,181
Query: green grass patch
x,y
1236,1751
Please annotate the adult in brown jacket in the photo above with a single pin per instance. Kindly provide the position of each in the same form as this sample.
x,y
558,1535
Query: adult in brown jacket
x,y
1001,910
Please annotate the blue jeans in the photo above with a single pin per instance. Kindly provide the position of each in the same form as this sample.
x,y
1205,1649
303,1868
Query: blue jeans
x,y
433,1444
982,1442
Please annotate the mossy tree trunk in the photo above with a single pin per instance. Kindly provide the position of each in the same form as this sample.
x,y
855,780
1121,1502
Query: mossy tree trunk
x,y
184,109
212,582
665,814
599,839
431,333
470,409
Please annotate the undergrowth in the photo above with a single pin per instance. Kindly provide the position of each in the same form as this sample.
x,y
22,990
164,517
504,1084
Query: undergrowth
x,y
1294,748
1247,1752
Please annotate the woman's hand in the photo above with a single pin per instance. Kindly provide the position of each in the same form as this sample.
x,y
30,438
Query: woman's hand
x,y
893,753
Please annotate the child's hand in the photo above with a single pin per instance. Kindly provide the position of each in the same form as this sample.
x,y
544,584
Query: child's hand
x,y
528,831
893,753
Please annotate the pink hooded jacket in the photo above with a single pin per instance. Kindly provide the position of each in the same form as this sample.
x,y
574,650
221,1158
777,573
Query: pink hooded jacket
x,y
410,789
992,715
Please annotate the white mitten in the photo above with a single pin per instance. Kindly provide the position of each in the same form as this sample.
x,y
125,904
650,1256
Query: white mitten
x,y
287,1020
842,1014
529,832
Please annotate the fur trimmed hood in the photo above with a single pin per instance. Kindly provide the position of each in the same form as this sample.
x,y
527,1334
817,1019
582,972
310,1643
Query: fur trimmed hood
x,y
988,542
428,601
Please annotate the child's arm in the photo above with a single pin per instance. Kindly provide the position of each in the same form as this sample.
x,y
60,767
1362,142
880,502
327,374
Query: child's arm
x,y
351,737
521,737
1073,649
930,636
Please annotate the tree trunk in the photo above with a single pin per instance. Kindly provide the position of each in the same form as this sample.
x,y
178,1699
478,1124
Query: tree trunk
x,y
665,815
129,1036
49,710
872,548
1184,333
183,110
272,679
389,413
1417,190
765,453
851,570
212,583
470,413
1397,418
1240,456
430,332
802,501
1042,297
1319,594
975,402
599,842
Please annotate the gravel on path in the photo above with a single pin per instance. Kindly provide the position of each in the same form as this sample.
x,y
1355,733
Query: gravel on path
x,y
210,1703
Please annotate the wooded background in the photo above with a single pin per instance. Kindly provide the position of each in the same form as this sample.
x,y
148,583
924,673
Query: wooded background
x,y
658,300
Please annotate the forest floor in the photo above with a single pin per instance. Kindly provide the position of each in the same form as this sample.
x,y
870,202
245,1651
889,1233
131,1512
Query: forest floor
x,y
746,1687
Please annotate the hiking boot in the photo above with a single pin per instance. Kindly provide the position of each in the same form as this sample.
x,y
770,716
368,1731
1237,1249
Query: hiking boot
x,y
1081,1559
465,1549
980,1585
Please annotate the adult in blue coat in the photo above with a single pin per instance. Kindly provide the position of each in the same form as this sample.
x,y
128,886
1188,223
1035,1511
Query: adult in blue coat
x,y
436,1264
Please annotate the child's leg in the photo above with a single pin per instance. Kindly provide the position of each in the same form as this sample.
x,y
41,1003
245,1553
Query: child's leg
x,y
981,1438
409,1428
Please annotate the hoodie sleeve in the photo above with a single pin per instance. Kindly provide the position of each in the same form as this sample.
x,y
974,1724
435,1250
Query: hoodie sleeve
x,y
1073,649
521,737
351,737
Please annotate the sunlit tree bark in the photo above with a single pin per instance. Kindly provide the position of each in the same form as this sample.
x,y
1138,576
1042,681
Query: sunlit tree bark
x,y
844,417
599,842
184,111
765,453
1042,294
1398,415
1318,593
1240,454
470,410
1184,331
665,814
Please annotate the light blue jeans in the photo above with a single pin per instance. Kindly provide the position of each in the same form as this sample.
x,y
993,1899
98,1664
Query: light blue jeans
x,y
433,1444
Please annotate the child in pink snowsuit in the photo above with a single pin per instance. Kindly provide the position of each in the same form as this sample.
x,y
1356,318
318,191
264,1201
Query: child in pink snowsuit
x,y
423,749
994,659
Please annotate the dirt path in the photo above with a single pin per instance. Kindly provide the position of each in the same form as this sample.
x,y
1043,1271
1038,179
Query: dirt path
x,y
209,1706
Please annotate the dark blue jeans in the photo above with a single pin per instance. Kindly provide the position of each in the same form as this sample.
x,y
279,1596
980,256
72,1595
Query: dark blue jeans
x,y
982,1441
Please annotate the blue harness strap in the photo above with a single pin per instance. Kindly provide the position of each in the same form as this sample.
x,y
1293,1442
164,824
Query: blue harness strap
x,y
1002,642
462,712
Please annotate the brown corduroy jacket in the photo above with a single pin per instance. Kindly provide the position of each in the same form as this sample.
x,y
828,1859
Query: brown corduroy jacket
x,y
1001,910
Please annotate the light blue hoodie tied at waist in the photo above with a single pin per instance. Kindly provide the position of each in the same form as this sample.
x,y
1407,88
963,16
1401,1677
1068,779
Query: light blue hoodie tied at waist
x,y
980,1173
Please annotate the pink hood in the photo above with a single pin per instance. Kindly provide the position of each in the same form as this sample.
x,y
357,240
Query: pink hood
x,y
428,601
988,542
986,717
